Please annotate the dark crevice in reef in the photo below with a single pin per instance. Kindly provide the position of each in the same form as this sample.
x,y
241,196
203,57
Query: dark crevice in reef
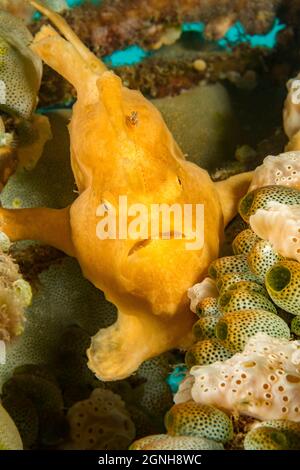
x,y
35,259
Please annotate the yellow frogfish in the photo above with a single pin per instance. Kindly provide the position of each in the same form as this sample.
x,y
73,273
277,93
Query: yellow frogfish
x,y
120,146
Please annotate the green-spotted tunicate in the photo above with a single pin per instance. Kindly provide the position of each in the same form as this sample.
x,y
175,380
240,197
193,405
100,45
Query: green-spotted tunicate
x,y
204,328
9,435
166,442
234,329
244,299
227,265
244,241
265,438
246,285
230,280
295,325
283,285
193,419
206,352
261,258
262,197
276,434
207,307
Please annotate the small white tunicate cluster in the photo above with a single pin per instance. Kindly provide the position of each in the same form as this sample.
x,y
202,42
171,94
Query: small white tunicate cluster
x,y
15,296
262,382
198,292
280,225
283,169
291,111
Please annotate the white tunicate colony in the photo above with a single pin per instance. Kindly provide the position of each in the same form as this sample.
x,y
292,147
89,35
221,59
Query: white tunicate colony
x,y
280,225
197,293
262,382
283,169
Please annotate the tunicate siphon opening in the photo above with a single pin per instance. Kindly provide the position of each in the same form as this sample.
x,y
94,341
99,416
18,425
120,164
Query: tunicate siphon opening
x,y
278,277
245,204
199,310
198,331
279,438
221,330
292,379
169,420
212,272
190,359
224,299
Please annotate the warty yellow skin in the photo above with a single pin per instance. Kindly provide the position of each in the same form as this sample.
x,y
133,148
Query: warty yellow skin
x,y
120,145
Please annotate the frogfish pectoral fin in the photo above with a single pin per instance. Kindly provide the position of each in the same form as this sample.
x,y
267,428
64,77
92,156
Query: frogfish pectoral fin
x,y
230,192
117,351
49,226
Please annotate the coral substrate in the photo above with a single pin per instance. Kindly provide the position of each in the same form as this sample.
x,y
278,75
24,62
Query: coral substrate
x,y
116,24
